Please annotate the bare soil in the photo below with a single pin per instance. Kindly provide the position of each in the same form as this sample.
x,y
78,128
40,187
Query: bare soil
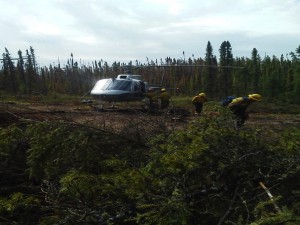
x,y
124,115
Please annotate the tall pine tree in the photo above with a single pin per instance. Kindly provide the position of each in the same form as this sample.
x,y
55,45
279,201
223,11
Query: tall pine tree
x,y
210,72
226,62
22,75
255,72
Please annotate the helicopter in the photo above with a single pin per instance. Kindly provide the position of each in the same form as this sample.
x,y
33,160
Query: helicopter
x,y
124,88
128,87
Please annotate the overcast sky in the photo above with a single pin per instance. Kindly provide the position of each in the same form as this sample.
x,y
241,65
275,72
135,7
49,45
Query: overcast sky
x,y
124,30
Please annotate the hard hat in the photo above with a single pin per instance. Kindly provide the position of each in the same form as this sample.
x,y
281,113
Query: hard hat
x,y
202,94
163,89
255,97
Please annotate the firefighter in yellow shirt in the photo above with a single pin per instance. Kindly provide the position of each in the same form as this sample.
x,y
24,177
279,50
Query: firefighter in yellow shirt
x,y
239,107
198,102
164,98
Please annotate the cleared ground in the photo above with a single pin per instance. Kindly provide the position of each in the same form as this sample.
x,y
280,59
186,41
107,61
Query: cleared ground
x,y
125,114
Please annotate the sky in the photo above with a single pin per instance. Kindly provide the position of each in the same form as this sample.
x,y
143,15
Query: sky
x,y
130,30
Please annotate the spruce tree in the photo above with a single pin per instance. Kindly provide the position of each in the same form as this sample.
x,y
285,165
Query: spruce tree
x,y
210,72
255,72
226,61
298,52
10,79
22,75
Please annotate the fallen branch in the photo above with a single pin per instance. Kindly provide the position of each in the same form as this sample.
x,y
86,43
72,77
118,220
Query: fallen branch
x,y
270,196
230,206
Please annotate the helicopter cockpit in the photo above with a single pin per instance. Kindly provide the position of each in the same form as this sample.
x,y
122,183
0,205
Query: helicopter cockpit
x,y
113,84
125,87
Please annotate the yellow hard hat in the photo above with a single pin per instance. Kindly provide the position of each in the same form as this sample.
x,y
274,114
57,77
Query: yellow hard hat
x,y
202,94
163,89
255,97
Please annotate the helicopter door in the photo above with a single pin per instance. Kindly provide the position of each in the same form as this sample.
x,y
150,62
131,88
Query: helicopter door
x,y
143,87
137,90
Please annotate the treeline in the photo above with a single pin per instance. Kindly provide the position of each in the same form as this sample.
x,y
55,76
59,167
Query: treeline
x,y
277,79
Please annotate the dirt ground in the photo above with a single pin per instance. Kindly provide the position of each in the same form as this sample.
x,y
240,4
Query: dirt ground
x,y
122,118
123,115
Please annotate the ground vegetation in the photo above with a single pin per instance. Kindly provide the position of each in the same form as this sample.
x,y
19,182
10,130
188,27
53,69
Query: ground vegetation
x,y
133,168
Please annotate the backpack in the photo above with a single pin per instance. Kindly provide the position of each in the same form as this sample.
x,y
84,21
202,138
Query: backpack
x,y
226,101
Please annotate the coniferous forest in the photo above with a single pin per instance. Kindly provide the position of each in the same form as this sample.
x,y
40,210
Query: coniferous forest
x,y
277,79
146,170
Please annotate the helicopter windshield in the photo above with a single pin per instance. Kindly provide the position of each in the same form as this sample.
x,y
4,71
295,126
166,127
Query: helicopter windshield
x,y
102,84
123,85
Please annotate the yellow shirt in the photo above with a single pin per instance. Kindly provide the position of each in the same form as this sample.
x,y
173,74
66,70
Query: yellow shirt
x,y
152,95
239,103
199,99
164,96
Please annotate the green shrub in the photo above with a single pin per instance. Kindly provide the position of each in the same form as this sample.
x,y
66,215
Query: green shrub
x,y
208,173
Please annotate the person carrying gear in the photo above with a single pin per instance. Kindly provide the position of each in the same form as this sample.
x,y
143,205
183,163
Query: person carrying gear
x,y
198,102
164,98
239,107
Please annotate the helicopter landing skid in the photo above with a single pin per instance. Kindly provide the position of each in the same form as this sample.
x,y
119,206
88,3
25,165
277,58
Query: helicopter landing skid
x,y
101,107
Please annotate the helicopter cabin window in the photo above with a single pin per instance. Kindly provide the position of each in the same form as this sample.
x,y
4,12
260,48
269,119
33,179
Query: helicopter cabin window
x,y
143,88
123,85
136,86
102,84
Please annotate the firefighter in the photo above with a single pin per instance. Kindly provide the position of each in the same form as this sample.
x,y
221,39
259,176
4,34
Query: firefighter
x,y
164,98
152,97
198,102
239,107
